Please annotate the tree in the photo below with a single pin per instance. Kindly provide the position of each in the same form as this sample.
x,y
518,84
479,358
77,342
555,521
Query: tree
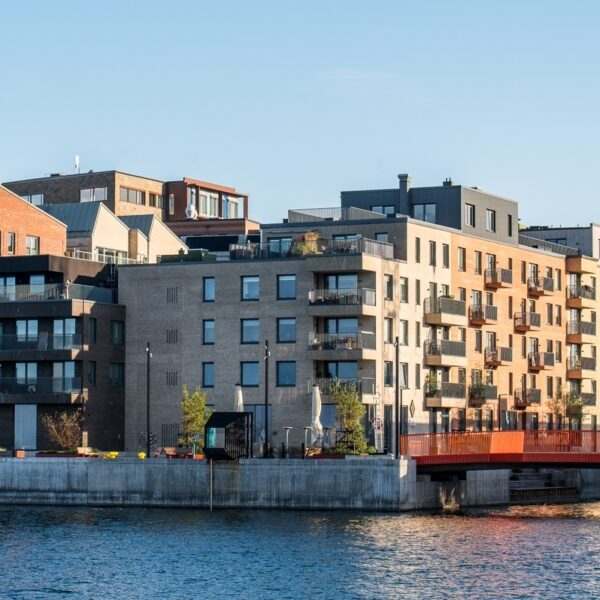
x,y
64,429
194,414
350,411
569,406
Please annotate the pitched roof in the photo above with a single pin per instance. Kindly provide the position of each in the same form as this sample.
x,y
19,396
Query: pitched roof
x,y
141,222
80,218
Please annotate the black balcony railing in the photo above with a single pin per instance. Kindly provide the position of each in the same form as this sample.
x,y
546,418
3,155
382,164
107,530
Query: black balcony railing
x,y
40,385
581,328
540,285
585,292
342,296
341,341
446,389
586,363
483,312
363,385
498,277
444,347
444,305
42,341
527,319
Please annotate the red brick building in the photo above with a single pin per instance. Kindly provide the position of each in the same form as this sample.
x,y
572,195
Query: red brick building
x,y
27,230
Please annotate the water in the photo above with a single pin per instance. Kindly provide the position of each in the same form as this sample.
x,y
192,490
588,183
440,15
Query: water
x,y
517,552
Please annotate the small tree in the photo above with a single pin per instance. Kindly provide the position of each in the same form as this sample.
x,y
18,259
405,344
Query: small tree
x,y
350,412
64,429
569,406
194,414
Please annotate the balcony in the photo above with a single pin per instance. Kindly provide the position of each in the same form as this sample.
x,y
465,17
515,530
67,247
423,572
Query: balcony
x,y
480,393
581,296
55,291
581,332
494,357
41,390
345,342
365,386
479,314
311,247
446,395
445,353
536,361
526,397
341,297
581,367
43,342
540,286
498,278
589,399
444,311
527,320
581,264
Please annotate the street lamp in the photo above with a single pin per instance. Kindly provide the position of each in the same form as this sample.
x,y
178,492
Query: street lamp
x,y
148,357
398,397
287,439
266,359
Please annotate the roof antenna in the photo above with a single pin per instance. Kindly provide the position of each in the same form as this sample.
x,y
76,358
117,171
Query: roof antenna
x,y
77,167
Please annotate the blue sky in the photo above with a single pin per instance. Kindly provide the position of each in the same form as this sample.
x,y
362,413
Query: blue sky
x,y
294,101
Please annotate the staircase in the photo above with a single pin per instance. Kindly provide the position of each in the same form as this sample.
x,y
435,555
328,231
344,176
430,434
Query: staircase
x,y
533,486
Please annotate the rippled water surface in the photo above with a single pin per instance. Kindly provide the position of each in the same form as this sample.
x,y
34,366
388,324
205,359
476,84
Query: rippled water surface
x,y
518,552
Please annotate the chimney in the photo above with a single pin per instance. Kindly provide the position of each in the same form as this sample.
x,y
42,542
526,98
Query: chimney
x,y
447,182
405,181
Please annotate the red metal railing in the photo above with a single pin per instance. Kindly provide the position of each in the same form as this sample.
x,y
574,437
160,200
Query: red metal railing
x,y
502,446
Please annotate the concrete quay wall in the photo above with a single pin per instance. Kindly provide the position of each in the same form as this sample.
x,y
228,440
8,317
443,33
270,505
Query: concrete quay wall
x,y
363,484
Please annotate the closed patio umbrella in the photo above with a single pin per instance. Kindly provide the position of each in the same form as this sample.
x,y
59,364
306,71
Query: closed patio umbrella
x,y
316,429
239,399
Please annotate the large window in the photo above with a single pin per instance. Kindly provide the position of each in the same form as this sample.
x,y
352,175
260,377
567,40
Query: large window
x,y
132,196
445,256
403,289
470,215
280,246
384,210
156,200
116,375
250,331
286,330
286,287
388,288
388,330
424,212
99,194
32,245
208,374
490,220
286,373
249,374
388,373
462,259
342,282
35,199
250,287
341,369
27,330
208,331
208,289
432,253
117,333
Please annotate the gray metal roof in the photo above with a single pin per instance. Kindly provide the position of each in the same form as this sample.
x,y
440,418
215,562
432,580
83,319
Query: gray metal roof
x,y
80,218
141,222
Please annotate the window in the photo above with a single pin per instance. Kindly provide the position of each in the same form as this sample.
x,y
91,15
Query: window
x,y
286,330
388,330
286,373
208,331
403,334
418,376
403,289
478,340
27,330
549,390
417,334
208,289
417,250
424,212
382,237
280,246
117,333
208,374
549,312
249,374
35,199
388,287
250,287
384,210
92,373
490,220
116,375
286,287
510,226
132,196
99,194
388,373
558,351
11,242
445,256
432,253
462,334
250,331
462,259
417,292
470,215
171,204
92,330
32,245
462,294
156,200
477,261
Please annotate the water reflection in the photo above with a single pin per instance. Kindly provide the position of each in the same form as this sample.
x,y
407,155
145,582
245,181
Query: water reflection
x,y
519,552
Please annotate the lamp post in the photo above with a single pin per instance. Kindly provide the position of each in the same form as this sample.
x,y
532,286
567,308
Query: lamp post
x,y
306,430
287,439
266,446
398,397
148,357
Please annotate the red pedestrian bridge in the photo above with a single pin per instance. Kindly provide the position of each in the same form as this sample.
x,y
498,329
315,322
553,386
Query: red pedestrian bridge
x,y
502,449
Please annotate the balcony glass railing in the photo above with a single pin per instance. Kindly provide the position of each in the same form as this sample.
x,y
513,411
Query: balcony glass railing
x,y
585,292
581,328
498,276
363,385
55,291
446,389
40,385
527,319
445,347
444,305
483,312
341,341
342,296
42,341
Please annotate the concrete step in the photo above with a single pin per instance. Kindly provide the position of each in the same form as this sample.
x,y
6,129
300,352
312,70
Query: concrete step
x,y
545,494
